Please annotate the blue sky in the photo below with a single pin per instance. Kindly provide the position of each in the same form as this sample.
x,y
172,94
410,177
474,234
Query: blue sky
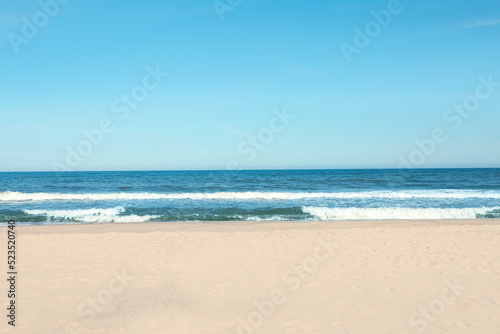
x,y
228,77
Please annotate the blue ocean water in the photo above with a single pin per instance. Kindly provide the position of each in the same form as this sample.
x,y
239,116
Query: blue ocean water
x,y
95,197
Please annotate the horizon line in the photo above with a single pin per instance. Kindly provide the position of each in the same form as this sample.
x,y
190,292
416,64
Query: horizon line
x,y
240,170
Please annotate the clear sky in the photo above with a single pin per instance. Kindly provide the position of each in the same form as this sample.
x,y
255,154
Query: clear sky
x,y
361,91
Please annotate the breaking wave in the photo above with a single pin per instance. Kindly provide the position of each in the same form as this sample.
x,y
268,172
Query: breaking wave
x,y
403,194
112,215
324,213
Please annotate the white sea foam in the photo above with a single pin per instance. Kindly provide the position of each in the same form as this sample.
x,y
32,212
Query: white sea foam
x,y
320,213
267,218
91,215
403,194
324,213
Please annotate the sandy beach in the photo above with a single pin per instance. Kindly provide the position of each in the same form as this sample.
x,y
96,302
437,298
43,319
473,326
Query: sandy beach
x,y
398,277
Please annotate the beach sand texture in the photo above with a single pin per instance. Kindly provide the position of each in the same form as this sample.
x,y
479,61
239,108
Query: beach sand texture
x,y
278,277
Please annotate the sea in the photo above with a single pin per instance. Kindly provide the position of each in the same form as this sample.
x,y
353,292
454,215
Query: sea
x,y
258,195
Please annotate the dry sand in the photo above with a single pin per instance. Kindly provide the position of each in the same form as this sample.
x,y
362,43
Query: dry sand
x,y
280,277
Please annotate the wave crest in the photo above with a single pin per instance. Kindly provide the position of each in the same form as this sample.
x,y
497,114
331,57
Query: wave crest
x,y
111,215
404,194
324,213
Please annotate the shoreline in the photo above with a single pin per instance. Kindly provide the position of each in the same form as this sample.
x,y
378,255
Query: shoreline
x,y
278,224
